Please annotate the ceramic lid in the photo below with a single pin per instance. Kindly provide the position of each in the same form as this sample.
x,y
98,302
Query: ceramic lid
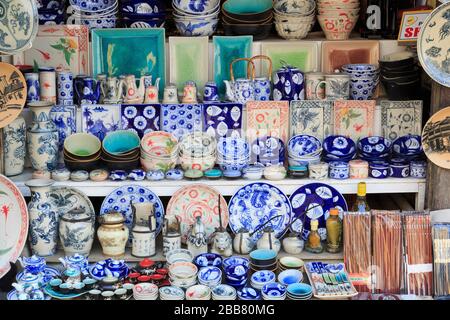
x,y
112,218
146,263
193,173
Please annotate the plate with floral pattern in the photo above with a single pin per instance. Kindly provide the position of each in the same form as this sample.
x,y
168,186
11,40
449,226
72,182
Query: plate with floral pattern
x,y
433,45
13,223
256,203
319,198
120,198
19,21
198,200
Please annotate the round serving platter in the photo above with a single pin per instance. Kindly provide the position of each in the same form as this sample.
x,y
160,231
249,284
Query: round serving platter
x,y
67,199
435,138
13,92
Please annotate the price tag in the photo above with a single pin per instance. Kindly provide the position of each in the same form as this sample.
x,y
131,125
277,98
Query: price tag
x,y
410,27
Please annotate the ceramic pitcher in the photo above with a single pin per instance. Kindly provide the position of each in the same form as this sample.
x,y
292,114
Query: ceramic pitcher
x,y
145,82
112,91
130,90
43,217
14,140
33,87
241,90
288,84
262,84
88,90
42,137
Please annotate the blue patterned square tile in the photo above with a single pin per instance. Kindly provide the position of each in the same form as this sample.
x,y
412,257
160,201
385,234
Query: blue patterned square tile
x,y
223,119
141,118
180,119
100,119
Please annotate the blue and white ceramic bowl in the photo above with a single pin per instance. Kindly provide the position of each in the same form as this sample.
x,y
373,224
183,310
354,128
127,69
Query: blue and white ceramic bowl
x,y
408,145
340,146
304,145
209,276
248,293
223,292
236,273
379,169
199,7
199,28
208,260
93,6
290,276
374,146
339,170
360,67
235,260
262,277
137,175
146,7
268,151
273,291
418,169
233,148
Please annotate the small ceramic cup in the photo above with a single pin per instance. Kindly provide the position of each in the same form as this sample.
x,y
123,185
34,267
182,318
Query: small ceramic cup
x,y
95,294
55,283
120,294
418,169
315,86
339,170
337,86
108,295
318,171
359,169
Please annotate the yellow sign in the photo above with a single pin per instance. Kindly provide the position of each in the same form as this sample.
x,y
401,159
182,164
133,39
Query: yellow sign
x,y
411,24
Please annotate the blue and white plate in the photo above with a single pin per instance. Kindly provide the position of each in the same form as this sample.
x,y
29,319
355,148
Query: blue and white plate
x,y
322,198
119,200
12,295
254,204
339,146
303,144
263,276
208,260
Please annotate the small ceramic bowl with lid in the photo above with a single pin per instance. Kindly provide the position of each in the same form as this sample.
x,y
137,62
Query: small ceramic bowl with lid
x,y
418,169
339,170
379,169
275,173
318,171
399,170
298,172
359,169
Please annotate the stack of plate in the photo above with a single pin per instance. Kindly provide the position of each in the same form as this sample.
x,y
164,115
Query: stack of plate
x,y
299,291
291,276
183,274
261,278
364,79
263,259
337,18
408,147
196,18
224,292
94,14
145,291
294,18
273,291
120,150
179,255
236,275
143,14
210,276
338,148
374,148
171,293
304,149
159,151
197,151
233,155
248,293
291,263
198,292
268,151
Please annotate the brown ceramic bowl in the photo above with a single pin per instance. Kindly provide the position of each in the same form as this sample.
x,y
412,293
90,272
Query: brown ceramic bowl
x,y
71,157
258,31
122,165
78,165
229,19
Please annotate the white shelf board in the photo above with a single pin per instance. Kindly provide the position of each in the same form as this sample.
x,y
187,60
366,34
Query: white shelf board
x,y
228,187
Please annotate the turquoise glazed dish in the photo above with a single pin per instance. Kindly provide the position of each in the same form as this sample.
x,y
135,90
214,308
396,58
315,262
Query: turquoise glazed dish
x,y
119,142
247,6
111,53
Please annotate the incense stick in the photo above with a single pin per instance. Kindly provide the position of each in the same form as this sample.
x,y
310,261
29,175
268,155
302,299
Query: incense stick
x,y
441,249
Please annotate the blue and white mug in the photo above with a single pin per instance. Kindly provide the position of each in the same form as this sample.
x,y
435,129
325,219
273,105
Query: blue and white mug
x,y
34,88
211,92
64,83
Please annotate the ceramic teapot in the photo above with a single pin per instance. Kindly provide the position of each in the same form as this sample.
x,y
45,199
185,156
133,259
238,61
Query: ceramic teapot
x,y
269,240
263,86
33,264
197,241
76,261
145,82
112,91
130,93
288,83
243,242
241,90
88,90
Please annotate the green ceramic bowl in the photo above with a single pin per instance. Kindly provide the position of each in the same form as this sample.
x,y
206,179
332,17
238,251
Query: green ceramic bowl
x,y
82,145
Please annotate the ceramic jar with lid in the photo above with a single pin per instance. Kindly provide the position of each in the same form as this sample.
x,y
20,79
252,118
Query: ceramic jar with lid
x,y
379,169
418,169
113,234
318,171
143,241
339,170
76,232
359,169
399,170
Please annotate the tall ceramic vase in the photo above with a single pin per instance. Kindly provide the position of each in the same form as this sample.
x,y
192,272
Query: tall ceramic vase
x,y
42,137
14,138
44,218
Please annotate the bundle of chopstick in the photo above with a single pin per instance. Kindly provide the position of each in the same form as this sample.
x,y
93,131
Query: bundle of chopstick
x,y
387,251
418,253
358,250
441,248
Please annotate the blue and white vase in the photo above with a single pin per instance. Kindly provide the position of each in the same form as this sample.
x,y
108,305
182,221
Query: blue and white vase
x,y
33,87
43,230
76,232
14,139
64,83
42,137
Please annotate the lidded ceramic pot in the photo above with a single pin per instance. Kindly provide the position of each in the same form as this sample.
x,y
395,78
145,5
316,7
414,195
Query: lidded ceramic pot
x,y
359,169
379,169
418,169
318,171
113,234
339,170
76,232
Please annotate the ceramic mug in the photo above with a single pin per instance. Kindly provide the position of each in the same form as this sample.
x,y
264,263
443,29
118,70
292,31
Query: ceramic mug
x,y
337,86
189,93
33,91
170,94
211,92
315,86
47,79
151,95
65,87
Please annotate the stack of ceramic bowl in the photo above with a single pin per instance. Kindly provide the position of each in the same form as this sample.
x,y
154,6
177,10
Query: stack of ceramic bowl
x,y
208,260
294,18
51,12
248,293
197,151
171,293
120,150
338,148
288,277
224,292
263,259
183,274
94,14
299,291
374,148
290,263
145,291
236,275
304,150
159,151
408,147
235,260
364,80
337,18
400,76
142,13
196,18
261,278
210,276
247,17
198,292
82,152
268,151
178,255
273,291
233,155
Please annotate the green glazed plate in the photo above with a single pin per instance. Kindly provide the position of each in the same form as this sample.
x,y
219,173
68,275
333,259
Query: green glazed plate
x,y
118,52
226,49
56,295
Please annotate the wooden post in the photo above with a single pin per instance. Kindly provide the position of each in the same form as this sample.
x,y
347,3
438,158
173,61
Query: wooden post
x,y
438,180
